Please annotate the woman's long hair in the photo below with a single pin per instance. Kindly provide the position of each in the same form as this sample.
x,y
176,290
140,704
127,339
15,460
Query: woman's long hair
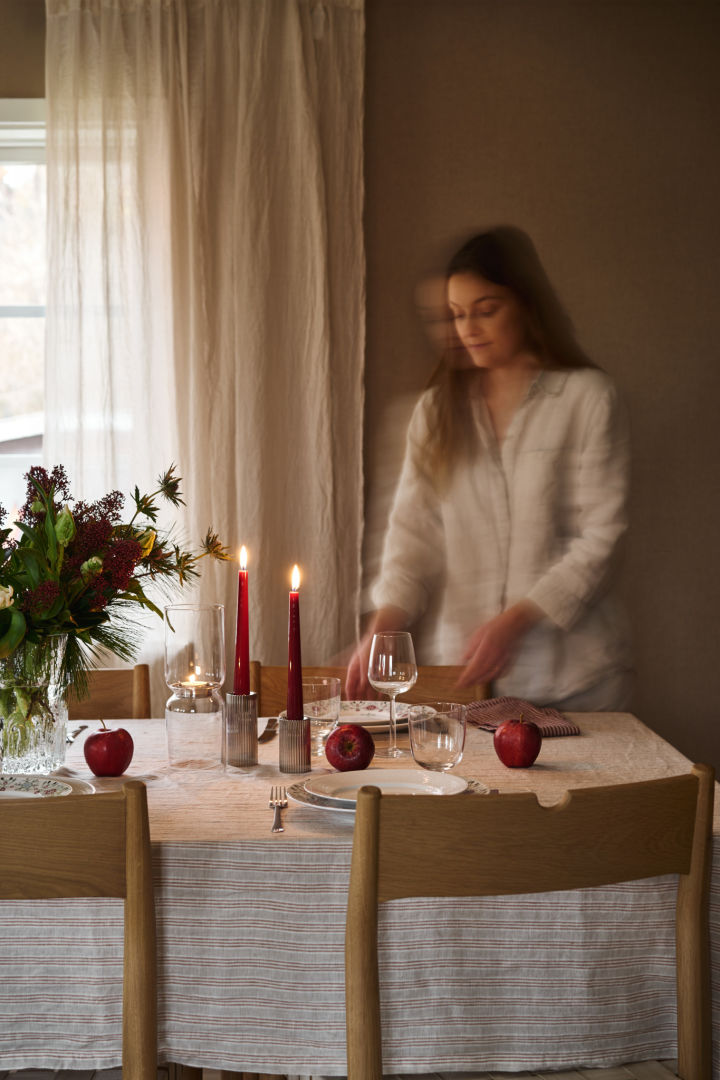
x,y
505,256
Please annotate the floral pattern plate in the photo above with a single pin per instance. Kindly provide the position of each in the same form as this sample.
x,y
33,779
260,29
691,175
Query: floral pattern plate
x,y
28,786
374,715
298,794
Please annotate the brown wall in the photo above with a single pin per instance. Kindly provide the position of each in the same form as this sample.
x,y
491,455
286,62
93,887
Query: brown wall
x,y
22,48
594,126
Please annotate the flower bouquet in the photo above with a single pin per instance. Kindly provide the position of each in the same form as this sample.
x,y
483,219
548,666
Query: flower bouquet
x,y
73,578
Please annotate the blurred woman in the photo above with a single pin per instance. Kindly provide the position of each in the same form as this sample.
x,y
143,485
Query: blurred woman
x,y
512,497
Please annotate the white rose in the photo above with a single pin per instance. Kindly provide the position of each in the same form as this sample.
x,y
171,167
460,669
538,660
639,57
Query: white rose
x,y
6,596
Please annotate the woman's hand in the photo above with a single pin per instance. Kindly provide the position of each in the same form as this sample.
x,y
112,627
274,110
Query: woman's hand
x,y
492,646
357,686
356,681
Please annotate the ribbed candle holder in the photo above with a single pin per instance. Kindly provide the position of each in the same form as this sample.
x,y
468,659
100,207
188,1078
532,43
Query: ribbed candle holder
x,y
240,735
294,744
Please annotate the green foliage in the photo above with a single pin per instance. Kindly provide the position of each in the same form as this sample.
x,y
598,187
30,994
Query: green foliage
x,y
79,572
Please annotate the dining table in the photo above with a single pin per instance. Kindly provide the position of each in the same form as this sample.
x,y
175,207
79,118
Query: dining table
x,y
251,925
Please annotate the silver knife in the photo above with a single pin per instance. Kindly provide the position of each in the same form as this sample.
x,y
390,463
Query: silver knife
x,y
270,730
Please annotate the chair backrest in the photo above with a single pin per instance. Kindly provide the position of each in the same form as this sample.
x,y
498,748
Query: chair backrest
x,y
433,684
115,694
99,845
507,844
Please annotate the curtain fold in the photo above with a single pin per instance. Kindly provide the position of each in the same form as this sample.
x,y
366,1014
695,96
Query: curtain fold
x,y
206,283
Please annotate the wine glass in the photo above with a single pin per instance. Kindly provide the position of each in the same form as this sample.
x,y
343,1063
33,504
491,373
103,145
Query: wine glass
x,y
392,670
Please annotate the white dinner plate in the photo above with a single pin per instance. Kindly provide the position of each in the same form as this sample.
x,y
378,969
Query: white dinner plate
x,y
31,786
343,787
297,793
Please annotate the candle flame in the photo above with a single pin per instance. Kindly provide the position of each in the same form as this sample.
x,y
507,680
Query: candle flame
x,y
192,677
295,579
243,558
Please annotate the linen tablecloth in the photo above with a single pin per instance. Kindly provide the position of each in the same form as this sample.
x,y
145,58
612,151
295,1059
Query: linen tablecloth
x,y
251,926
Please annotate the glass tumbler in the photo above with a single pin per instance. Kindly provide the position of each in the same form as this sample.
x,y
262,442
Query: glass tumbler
x,y
194,672
321,703
437,734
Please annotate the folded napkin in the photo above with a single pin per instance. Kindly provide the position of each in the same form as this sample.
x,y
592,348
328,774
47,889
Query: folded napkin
x,y
489,714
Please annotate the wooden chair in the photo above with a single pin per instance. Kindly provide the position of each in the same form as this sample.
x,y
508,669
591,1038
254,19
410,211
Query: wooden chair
x,y
78,846
433,684
509,844
115,694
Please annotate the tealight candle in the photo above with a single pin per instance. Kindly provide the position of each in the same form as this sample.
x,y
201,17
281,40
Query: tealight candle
x,y
193,683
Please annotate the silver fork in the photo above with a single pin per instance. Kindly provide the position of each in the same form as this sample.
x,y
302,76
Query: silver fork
x,y
278,802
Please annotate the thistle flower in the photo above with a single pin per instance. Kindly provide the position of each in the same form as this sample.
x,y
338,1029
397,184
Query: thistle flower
x,y
212,546
169,487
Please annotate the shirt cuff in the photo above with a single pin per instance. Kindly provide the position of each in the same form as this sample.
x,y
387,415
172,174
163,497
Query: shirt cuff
x,y
560,606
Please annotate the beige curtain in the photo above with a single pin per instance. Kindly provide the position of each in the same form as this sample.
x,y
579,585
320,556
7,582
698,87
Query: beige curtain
x,y
206,292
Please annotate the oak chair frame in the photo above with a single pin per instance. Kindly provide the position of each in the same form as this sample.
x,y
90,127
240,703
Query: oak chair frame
x,y
434,683
498,845
82,846
115,694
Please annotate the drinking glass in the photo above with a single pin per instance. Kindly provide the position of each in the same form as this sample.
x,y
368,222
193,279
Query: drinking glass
x,y
392,670
194,672
437,734
321,703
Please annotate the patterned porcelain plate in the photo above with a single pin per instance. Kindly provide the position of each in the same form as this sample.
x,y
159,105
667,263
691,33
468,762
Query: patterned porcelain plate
x,y
28,786
298,794
374,715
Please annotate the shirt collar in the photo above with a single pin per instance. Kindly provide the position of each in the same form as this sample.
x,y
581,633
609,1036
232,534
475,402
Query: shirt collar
x,y
550,381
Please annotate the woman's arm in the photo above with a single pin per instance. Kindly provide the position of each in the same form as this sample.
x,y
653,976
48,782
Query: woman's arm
x,y
413,552
599,491
492,646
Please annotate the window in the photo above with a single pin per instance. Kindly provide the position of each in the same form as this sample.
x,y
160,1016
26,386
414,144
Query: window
x,y
22,293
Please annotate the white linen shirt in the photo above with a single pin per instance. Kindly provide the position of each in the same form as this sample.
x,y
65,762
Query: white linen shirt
x,y
538,517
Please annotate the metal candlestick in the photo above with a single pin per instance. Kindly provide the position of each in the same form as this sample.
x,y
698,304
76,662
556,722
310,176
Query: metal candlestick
x,y
240,736
294,748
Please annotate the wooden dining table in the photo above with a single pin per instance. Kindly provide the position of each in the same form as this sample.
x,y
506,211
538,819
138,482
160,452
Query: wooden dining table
x,y
251,928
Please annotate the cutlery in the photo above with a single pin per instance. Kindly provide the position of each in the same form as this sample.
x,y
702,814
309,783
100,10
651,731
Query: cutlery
x,y
278,802
270,730
72,735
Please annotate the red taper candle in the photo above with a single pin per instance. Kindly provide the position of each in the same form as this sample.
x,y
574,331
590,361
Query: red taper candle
x,y
294,693
241,680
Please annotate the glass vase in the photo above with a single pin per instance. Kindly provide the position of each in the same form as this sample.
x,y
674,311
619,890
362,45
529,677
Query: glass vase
x,y
33,707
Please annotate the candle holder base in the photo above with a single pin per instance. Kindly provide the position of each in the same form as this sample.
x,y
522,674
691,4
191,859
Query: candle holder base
x,y
294,745
240,734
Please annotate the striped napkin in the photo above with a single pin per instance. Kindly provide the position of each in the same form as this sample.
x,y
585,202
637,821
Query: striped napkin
x,y
489,714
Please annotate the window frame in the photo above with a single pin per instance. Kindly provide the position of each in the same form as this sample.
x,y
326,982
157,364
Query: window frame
x,y
22,142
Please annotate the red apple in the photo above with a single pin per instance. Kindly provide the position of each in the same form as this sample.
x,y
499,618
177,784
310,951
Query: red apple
x,y
350,746
108,751
517,743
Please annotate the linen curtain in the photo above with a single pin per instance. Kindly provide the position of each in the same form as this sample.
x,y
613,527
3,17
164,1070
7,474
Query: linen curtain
x,y
206,284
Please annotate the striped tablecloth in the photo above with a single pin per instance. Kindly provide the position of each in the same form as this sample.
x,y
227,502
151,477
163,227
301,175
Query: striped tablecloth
x,y
251,938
